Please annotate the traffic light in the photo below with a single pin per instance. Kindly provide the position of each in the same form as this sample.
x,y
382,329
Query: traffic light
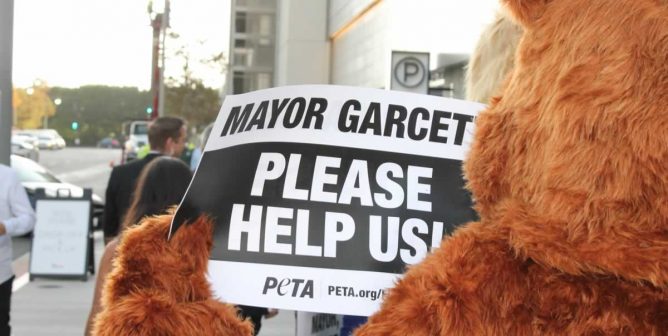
x,y
75,125
149,110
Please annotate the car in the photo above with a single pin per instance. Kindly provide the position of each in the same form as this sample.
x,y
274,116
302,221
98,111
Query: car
x,y
23,146
26,137
46,138
108,143
33,176
137,133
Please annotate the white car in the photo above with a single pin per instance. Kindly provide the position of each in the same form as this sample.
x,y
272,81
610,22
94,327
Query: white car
x,y
34,176
46,138
137,138
24,146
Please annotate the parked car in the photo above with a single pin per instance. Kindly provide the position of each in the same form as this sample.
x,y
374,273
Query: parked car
x,y
34,176
47,138
26,137
108,143
23,146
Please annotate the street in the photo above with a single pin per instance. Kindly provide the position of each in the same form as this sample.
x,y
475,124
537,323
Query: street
x,y
85,167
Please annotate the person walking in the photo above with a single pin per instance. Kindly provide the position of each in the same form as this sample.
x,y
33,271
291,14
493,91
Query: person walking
x,y
16,218
166,136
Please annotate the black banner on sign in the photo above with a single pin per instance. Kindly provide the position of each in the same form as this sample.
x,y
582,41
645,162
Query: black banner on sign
x,y
326,206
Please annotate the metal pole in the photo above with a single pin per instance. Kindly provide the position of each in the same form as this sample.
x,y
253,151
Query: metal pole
x,y
6,31
161,94
155,71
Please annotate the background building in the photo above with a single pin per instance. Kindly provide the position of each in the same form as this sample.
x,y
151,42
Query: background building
x,y
252,45
350,42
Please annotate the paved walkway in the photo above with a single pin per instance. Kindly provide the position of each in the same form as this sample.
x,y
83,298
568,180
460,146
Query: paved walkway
x,y
47,307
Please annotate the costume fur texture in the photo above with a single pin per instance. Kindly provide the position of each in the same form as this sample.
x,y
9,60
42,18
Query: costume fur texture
x,y
493,58
569,171
158,287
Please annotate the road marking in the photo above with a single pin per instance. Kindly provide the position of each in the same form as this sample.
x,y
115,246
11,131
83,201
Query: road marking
x,y
20,282
21,267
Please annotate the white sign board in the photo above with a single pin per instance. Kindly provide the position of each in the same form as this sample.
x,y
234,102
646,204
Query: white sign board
x,y
410,72
318,324
323,194
60,238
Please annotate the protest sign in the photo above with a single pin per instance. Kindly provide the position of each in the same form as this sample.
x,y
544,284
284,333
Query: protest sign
x,y
321,195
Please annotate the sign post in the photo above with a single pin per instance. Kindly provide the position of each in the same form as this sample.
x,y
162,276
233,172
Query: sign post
x,y
322,195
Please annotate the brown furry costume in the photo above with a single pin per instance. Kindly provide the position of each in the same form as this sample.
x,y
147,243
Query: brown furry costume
x,y
159,287
569,169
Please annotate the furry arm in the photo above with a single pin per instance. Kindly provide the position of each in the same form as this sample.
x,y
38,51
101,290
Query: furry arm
x,y
158,287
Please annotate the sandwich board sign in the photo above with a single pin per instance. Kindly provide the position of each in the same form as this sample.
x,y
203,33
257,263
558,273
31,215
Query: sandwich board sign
x,y
61,245
322,195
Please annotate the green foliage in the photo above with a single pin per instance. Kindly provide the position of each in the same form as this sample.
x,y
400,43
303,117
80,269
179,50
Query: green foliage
x,y
196,103
99,111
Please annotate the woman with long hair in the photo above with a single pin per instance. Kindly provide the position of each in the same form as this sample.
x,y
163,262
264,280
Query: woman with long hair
x,y
161,185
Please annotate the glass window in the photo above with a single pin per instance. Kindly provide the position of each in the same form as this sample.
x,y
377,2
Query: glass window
x,y
240,22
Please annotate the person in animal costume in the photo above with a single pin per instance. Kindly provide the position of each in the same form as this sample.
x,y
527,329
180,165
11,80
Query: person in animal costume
x,y
569,172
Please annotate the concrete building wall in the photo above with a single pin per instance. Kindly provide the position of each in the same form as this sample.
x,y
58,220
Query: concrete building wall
x,y
341,11
302,48
359,45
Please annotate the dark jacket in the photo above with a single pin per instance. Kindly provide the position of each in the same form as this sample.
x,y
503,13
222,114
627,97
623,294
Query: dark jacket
x,y
119,193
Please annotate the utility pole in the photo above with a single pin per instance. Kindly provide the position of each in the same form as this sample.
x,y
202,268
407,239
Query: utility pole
x,y
6,31
159,23
161,92
156,23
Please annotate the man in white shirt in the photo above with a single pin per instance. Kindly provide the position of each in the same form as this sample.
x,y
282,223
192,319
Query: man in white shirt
x,y
16,218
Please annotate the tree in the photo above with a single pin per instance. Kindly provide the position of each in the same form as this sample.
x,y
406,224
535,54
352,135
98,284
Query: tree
x,y
99,110
31,105
186,95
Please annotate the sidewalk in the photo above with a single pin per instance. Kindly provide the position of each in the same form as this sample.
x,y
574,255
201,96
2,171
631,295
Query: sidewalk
x,y
47,307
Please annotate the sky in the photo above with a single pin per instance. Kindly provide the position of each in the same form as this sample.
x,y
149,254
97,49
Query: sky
x,y
70,43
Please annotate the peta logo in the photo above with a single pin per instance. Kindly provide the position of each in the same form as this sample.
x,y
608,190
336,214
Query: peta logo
x,y
293,287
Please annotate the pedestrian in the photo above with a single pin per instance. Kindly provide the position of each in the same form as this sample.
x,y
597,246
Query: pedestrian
x,y
166,136
199,150
162,184
16,218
